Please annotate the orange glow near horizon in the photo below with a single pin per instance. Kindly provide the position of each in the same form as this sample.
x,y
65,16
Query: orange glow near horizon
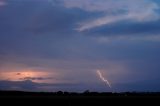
x,y
33,75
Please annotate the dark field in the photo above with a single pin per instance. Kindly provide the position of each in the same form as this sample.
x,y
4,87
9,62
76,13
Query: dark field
x,y
81,99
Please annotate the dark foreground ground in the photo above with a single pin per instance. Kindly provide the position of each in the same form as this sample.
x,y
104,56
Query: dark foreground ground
x,y
79,99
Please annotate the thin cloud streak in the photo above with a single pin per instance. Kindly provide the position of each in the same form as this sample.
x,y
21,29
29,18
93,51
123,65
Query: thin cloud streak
x,y
125,10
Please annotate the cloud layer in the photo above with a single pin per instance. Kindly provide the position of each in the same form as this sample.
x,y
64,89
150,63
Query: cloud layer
x,y
74,38
115,11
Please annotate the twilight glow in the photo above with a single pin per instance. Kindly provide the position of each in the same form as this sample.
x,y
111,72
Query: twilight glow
x,y
26,75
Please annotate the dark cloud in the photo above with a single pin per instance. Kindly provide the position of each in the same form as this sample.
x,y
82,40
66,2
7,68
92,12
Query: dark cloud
x,y
31,86
35,78
125,28
42,30
18,85
28,85
18,74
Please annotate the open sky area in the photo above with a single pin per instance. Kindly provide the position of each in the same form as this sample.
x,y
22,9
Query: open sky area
x,y
78,45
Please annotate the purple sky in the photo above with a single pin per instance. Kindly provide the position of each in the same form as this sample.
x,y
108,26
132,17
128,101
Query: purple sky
x,y
51,45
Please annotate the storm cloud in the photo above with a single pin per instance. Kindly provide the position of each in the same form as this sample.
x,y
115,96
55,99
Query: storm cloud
x,y
74,38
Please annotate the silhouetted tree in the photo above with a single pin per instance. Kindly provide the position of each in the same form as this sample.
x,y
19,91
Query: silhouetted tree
x,y
60,93
86,92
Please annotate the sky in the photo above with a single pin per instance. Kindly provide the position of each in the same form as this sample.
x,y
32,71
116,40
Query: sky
x,y
53,45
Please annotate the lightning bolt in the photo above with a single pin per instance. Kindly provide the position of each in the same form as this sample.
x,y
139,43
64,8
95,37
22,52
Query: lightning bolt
x,y
103,79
